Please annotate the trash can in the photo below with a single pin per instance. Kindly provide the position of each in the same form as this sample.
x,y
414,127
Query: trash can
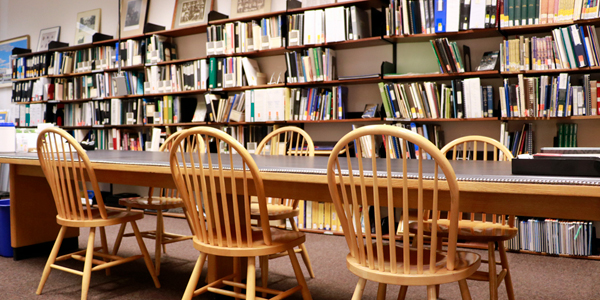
x,y
5,247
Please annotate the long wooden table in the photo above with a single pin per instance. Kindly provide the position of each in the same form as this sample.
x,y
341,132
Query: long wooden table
x,y
484,187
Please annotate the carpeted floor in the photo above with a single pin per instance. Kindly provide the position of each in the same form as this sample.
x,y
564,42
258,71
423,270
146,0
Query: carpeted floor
x,y
534,277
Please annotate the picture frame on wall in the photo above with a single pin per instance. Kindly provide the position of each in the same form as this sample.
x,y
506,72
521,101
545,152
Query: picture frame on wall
x,y
133,17
243,8
6,47
88,23
48,35
191,13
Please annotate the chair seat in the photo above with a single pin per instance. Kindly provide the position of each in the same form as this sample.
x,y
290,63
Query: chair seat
x,y
276,212
475,231
281,240
113,218
466,263
158,203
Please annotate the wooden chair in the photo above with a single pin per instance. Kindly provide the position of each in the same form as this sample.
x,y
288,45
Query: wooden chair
x,y
167,199
67,169
372,258
221,222
292,141
497,230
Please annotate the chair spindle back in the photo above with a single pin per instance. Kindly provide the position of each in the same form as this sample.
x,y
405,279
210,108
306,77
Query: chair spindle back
x,y
501,153
360,189
219,214
296,142
68,169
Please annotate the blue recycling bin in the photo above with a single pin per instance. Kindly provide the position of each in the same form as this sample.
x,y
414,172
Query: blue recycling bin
x,y
5,247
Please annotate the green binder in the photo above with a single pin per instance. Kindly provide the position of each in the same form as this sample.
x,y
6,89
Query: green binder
x,y
212,73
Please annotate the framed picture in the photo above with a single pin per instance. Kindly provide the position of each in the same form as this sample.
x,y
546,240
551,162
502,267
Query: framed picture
x,y
46,36
133,17
6,48
88,23
242,8
191,12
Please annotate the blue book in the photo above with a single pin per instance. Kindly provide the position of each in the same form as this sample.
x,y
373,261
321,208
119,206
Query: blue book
x,y
585,46
507,98
413,127
395,114
426,135
440,15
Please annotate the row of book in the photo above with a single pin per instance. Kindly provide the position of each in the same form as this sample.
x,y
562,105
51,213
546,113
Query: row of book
x,y
334,24
518,141
404,17
240,37
567,135
461,99
398,148
553,236
188,76
568,48
317,216
283,104
94,59
159,49
313,64
30,66
547,96
531,12
448,56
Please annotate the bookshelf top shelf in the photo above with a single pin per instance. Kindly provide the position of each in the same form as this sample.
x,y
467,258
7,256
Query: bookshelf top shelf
x,y
183,31
359,3
247,18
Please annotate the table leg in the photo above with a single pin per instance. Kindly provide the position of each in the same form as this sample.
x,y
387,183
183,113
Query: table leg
x,y
32,209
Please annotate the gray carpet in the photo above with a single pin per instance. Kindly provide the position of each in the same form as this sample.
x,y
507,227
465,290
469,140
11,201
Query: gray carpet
x,y
534,277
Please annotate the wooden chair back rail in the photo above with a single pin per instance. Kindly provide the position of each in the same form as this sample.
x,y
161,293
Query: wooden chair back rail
x,y
501,153
197,143
67,167
298,142
203,190
348,206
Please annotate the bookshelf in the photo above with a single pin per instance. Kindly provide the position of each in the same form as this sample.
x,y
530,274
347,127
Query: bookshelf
x,y
366,53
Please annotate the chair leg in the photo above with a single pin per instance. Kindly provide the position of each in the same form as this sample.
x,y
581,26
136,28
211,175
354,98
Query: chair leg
x,y
464,289
431,292
264,272
299,276
191,286
507,280
304,253
51,259
237,270
493,277
251,279
87,267
360,288
402,292
158,244
381,291
104,247
147,259
120,236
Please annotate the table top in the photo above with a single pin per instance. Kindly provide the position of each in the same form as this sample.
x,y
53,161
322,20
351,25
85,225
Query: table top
x,y
466,171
